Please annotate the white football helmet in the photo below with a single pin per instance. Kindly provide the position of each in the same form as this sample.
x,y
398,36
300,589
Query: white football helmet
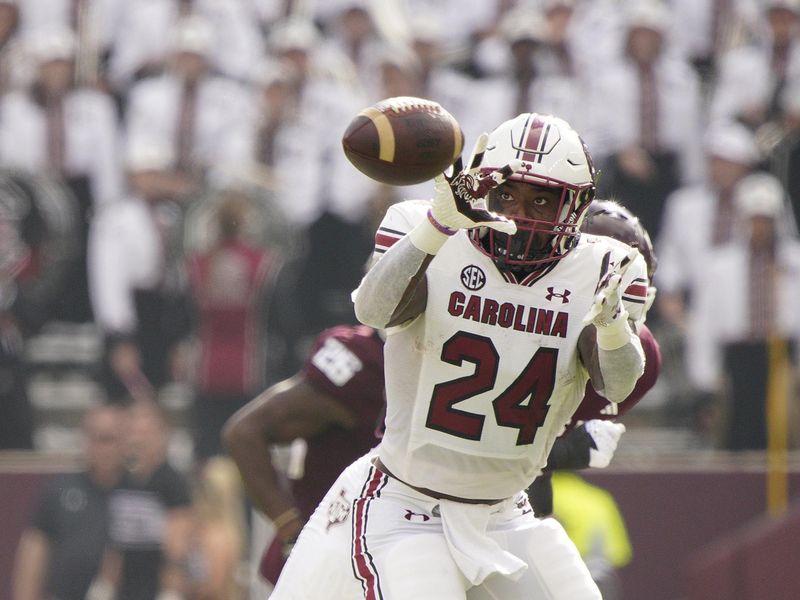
x,y
552,155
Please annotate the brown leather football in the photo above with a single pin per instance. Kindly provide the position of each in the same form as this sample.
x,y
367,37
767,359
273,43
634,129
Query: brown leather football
x,y
403,140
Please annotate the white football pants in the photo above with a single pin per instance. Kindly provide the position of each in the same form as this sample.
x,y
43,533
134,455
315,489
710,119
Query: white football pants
x,y
372,537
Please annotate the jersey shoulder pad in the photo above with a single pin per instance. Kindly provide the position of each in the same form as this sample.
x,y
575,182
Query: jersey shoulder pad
x,y
399,220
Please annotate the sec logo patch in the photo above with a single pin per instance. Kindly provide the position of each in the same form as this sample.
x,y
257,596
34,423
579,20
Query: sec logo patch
x,y
473,277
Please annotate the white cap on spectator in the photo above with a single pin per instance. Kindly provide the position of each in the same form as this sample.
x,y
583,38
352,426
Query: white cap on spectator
x,y
148,155
293,34
759,194
398,55
427,26
193,34
649,14
522,23
51,44
733,142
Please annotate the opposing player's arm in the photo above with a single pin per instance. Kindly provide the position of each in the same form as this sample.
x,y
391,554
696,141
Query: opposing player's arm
x,y
288,410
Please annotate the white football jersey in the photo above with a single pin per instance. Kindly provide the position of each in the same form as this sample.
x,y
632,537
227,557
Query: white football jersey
x,y
479,386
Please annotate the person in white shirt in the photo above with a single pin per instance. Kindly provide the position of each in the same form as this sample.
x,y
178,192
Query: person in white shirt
x,y
698,217
746,304
753,76
197,114
53,126
647,112
127,263
142,41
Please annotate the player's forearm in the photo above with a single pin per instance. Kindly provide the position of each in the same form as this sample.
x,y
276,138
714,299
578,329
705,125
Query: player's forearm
x,y
390,285
621,360
251,450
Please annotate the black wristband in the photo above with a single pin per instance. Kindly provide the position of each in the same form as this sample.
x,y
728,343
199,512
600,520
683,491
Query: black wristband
x,y
540,496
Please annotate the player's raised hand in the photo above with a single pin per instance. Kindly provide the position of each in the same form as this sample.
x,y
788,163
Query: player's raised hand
x,y
457,202
607,308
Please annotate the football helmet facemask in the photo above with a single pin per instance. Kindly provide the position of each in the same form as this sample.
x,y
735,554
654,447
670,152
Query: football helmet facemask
x,y
550,154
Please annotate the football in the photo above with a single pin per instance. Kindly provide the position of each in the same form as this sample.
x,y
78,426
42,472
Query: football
x,y
403,140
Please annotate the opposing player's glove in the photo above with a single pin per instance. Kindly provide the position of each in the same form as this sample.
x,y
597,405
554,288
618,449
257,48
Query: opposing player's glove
x,y
457,196
607,308
605,437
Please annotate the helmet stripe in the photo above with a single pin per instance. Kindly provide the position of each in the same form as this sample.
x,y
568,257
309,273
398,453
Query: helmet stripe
x,y
533,139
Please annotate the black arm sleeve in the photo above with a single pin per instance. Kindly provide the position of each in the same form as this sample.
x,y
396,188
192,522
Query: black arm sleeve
x,y
540,496
571,450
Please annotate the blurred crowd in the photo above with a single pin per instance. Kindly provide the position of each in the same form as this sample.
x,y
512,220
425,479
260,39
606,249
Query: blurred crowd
x,y
171,172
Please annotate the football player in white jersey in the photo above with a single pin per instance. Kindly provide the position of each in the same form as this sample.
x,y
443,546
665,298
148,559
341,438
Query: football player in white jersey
x,y
495,322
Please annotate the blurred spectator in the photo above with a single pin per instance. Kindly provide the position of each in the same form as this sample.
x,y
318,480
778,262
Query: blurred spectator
x,y
454,90
299,117
752,77
39,243
595,524
703,30
463,26
67,132
701,216
146,29
351,33
150,516
297,123
127,272
648,140
540,69
188,109
748,297
230,287
60,552
218,533
92,21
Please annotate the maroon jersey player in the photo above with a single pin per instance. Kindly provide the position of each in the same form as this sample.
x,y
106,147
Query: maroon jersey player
x,y
334,403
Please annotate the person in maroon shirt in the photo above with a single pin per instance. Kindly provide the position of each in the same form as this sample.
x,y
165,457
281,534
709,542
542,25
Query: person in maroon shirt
x,y
229,285
335,403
